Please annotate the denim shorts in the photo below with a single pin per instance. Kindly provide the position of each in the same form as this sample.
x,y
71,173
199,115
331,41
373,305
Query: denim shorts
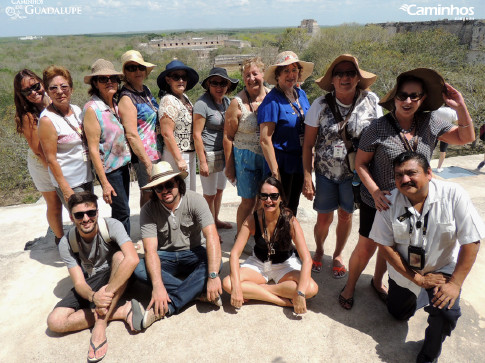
x,y
330,195
249,172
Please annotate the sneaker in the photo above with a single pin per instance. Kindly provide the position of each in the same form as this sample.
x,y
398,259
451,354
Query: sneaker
x,y
216,302
149,318
482,163
439,170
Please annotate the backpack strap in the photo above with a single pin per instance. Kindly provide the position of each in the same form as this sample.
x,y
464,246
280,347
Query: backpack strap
x,y
102,230
71,236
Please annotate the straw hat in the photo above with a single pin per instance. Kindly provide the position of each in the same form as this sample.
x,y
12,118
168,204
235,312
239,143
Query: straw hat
x,y
135,56
221,72
101,67
366,78
161,172
283,59
176,65
433,82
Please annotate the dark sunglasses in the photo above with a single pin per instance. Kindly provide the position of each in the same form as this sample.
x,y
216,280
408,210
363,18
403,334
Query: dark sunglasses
x,y
273,196
343,74
134,67
177,76
34,88
106,79
80,215
403,96
167,185
218,84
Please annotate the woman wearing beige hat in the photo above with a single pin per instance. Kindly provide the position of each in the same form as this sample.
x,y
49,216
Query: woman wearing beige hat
x,y
138,110
105,135
411,124
281,118
334,125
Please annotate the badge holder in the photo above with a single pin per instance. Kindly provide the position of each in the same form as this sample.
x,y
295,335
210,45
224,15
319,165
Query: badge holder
x,y
416,257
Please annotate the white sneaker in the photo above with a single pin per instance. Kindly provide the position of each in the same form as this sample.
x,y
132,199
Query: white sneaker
x,y
149,318
439,170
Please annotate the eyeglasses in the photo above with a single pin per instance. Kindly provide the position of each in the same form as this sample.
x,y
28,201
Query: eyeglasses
x,y
273,196
403,96
134,67
62,87
106,79
177,76
343,74
218,84
169,185
90,213
34,88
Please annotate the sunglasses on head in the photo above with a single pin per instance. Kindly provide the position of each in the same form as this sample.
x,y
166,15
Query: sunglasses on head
x,y
178,76
80,215
106,79
134,67
62,87
273,196
167,185
218,84
343,74
403,96
34,88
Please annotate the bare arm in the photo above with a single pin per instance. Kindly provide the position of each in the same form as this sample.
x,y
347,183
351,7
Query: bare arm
x,y
85,291
308,189
198,126
128,116
266,133
298,238
167,127
214,287
233,114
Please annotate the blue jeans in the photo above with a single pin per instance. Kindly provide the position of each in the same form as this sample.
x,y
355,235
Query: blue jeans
x,y
120,206
184,274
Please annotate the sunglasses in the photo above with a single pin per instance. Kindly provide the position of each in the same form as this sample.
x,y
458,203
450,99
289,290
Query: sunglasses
x,y
34,88
177,76
106,79
273,196
343,74
218,84
403,96
62,87
90,213
134,67
167,185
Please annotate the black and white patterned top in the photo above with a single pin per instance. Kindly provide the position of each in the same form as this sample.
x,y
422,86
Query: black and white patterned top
x,y
382,139
174,108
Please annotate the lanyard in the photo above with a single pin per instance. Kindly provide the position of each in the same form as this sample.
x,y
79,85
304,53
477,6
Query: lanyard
x,y
77,129
419,224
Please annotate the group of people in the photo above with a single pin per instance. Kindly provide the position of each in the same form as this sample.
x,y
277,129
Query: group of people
x,y
269,143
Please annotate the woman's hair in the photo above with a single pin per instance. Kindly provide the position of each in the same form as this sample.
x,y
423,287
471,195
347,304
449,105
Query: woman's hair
x,y
93,90
255,61
167,90
279,69
54,71
283,227
411,79
22,105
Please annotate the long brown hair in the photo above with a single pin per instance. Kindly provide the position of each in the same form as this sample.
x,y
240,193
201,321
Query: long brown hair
x,y
22,105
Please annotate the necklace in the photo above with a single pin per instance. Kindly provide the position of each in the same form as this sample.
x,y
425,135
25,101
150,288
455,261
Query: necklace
x,y
404,131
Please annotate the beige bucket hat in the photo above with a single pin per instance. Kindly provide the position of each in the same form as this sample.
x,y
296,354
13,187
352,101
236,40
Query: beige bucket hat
x,y
283,59
366,78
161,172
102,67
135,56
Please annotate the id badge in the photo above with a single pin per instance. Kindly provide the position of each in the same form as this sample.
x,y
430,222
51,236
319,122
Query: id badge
x,y
338,151
416,257
267,266
85,155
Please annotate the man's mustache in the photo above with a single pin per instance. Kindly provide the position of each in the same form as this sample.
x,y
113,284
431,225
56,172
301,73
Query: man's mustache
x,y
408,184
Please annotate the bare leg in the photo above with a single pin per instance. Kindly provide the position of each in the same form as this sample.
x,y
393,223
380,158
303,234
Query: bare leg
x,y
320,232
288,285
380,270
210,201
442,158
244,210
217,208
344,225
54,212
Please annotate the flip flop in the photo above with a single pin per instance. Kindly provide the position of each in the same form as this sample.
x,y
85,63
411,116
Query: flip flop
x,y
95,349
317,263
137,317
339,271
347,304
380,294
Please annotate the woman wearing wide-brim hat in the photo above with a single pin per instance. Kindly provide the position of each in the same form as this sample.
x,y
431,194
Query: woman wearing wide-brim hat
x,y
348,101
138,110
175,115
209,117
411,124
281,119
106,139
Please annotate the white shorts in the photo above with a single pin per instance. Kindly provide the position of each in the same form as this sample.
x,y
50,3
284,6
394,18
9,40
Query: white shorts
x,y
189,158
213,182
39,173
278,270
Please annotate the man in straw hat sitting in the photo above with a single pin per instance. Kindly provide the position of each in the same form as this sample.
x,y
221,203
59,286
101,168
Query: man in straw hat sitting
x,y
182,250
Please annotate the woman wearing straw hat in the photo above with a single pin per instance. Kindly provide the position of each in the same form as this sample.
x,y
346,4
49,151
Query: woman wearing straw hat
x,y
138,110
175,115
334,125
411,124
30,100
281,117
209,117
105,135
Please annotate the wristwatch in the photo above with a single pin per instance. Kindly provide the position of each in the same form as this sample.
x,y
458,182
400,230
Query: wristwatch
x,y
300,293
213,275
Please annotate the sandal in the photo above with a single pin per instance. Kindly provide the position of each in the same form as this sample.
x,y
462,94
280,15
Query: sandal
x,y
339,272
95,349
317,262
345,303
380,294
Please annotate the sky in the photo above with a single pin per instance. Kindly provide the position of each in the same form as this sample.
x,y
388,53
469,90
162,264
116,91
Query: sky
x,y
65,17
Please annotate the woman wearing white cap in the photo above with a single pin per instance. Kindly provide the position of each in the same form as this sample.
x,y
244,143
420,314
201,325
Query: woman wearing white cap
x,y
138,110
281,117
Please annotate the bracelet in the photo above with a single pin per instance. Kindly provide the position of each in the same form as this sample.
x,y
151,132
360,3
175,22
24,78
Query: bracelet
x,y
92,297
301,294
464,126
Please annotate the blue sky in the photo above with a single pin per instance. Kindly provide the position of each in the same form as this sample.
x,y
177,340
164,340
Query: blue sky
x,y
27,17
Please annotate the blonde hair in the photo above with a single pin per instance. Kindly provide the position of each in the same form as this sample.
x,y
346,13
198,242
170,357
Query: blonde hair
x,y
254,61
